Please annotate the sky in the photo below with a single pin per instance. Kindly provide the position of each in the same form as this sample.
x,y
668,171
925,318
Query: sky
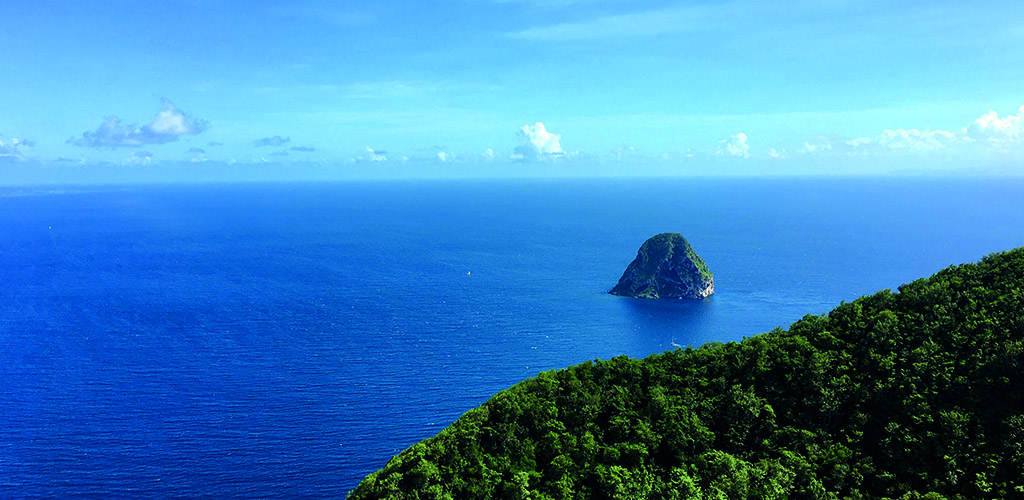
x,y
223,90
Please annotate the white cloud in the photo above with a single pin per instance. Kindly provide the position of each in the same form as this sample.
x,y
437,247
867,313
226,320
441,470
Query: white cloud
x,y
375,155
776,154
536,142
370,155
489,155
196,155
989,127
858,142
736,145
444,157
816,147
12,147
987,130
168,124
624,152
914,139
820,143
138,158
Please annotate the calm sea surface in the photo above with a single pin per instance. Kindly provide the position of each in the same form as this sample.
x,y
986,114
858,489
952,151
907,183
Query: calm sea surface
x,y
284,340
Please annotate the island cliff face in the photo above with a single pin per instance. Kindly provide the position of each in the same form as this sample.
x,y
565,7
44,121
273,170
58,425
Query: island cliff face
x,y
666,267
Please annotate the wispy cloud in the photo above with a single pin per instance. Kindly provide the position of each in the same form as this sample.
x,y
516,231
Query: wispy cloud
x,y
647,23
275,141
945,24
339,15
380,90
168,124
554,4
303,149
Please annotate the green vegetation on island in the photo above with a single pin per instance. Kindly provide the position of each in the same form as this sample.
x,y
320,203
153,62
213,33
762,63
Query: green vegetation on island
x,y
666,266
917,394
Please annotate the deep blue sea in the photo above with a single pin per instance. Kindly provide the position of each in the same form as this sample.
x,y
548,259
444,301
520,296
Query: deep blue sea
x,y
284,340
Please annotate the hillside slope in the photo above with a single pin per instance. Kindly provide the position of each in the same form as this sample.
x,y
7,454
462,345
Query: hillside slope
x,y
913,394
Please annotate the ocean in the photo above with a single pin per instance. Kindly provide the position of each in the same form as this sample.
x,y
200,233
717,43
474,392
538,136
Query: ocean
x,y
284,340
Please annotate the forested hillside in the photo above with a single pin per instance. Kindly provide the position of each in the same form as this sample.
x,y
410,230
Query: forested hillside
x,y
912,394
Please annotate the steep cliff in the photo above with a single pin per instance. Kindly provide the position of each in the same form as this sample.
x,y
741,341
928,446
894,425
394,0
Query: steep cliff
x,y
666,266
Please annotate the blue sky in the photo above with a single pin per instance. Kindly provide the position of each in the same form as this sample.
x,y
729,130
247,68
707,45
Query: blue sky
x,y
216,89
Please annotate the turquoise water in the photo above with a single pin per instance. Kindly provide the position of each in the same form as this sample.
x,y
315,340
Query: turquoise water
x,y
283,340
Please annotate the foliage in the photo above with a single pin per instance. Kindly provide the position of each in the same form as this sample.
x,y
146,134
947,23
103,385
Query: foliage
x,y
910,395
664,260
662,247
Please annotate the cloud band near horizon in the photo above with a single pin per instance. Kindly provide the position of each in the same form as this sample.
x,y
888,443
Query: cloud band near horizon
x,y
165,127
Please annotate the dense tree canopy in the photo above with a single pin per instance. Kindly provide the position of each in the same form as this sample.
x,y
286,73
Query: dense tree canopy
x,y
914,394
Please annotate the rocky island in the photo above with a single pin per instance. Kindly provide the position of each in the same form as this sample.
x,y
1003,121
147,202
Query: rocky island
x,y
666,266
